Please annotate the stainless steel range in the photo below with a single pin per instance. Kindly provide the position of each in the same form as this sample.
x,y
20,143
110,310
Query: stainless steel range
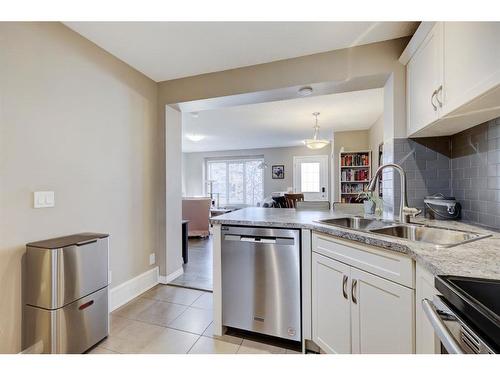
x,y
66,307
261,280
466,316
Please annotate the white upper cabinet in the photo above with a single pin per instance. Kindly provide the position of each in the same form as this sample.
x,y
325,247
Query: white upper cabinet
x,y
453,77
424,75
471,61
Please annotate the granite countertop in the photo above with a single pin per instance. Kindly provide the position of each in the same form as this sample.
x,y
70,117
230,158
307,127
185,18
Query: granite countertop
x,y
475,259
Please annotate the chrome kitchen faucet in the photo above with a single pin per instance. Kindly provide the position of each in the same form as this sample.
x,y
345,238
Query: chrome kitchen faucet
x,y
404,211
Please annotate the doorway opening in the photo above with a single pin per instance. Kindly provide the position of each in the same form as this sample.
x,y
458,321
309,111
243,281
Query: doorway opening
x,y
248,150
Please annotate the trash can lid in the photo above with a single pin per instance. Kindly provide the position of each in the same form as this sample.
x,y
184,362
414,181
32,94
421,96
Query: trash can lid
x,y
74,239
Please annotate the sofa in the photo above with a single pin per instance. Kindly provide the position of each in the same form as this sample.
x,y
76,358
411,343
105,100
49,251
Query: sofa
x,y
197,211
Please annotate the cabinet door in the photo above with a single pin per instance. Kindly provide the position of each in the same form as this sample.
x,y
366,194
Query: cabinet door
x,y
426,340
382,315
331,327
423,76
471,61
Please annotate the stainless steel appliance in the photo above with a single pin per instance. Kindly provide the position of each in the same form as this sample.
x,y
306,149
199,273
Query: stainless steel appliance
x,y
66,307
466,317
439,207
261,280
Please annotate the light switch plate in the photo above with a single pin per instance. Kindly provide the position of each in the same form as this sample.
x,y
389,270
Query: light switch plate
x,y
44,199
152,259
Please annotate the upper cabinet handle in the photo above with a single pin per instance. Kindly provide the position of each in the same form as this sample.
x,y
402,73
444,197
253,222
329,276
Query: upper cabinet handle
x,y
440,89
432,100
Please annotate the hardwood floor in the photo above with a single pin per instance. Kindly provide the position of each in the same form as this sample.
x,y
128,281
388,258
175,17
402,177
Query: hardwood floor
x,y
198,270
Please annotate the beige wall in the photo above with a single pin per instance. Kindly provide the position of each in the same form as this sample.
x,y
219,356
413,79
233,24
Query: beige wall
x,y
193,167
78,121
376,137
339,65
171,260
351,141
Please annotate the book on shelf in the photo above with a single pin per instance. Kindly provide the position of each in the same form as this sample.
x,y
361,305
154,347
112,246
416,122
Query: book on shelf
x,y
351,188
355,160
354,175
351,199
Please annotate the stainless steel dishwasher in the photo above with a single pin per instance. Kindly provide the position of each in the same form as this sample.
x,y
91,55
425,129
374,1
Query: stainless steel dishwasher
x,y
261,280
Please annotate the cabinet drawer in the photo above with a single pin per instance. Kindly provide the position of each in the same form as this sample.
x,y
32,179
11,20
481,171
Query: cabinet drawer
x,y
387,264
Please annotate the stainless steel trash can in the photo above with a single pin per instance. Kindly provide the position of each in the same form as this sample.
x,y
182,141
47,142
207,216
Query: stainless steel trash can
x,y
66,308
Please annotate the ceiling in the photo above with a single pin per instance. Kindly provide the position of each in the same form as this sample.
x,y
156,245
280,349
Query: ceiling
x,y
281,123
169,50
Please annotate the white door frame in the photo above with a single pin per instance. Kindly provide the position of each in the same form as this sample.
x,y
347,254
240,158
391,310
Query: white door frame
x,y
323,159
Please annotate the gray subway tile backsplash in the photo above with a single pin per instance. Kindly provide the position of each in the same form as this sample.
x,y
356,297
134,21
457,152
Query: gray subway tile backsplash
x,y
428,167
465,165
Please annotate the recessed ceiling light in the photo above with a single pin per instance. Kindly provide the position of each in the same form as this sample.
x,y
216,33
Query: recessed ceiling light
x,y
195,137
195,114
305,91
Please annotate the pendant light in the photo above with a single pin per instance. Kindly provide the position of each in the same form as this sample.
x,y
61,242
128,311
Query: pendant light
x,y
315,143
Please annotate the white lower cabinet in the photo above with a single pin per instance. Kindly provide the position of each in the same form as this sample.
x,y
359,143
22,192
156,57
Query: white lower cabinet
x,y
426,340
331,310
354,311
381,315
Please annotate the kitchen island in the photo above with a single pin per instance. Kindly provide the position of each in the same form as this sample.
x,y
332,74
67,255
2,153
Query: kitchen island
x,y
402,269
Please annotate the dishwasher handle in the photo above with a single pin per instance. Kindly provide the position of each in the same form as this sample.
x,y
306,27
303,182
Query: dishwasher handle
x,y
260,240
257,239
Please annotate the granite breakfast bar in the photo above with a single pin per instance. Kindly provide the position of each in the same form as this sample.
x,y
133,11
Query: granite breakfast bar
x,y
466,259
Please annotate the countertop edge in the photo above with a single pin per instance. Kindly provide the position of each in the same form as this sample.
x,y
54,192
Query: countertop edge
x,y
377,241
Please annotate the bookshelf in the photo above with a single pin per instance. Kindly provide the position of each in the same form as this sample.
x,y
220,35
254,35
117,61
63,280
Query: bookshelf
x,y
354,174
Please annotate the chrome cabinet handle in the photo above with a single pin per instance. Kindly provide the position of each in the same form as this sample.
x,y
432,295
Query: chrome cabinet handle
x,y
440,89
432,100
444,334
353,290
344,287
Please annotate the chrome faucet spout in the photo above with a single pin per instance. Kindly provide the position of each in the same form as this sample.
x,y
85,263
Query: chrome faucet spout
x,y
404,210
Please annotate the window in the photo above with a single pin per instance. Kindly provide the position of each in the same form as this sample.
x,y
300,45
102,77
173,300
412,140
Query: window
x,y
236,182
309,177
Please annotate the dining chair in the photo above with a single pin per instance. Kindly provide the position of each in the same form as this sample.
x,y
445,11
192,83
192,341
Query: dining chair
x,y
292,198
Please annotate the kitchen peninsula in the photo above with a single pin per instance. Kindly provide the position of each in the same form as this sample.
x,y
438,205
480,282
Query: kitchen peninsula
x,y
361,291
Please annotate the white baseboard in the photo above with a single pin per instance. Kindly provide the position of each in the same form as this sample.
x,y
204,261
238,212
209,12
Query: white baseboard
x,y
172,276
127,291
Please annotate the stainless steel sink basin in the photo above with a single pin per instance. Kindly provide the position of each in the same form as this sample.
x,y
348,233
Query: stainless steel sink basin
x,y
356,222
439,237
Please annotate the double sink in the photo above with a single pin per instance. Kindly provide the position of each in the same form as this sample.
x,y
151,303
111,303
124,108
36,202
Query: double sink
x,y
439,237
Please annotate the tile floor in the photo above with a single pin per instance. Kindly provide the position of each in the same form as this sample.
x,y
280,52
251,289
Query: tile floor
x,y
173,320
198,270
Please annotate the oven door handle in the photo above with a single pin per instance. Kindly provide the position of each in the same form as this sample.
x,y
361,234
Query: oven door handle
x,y
444,334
